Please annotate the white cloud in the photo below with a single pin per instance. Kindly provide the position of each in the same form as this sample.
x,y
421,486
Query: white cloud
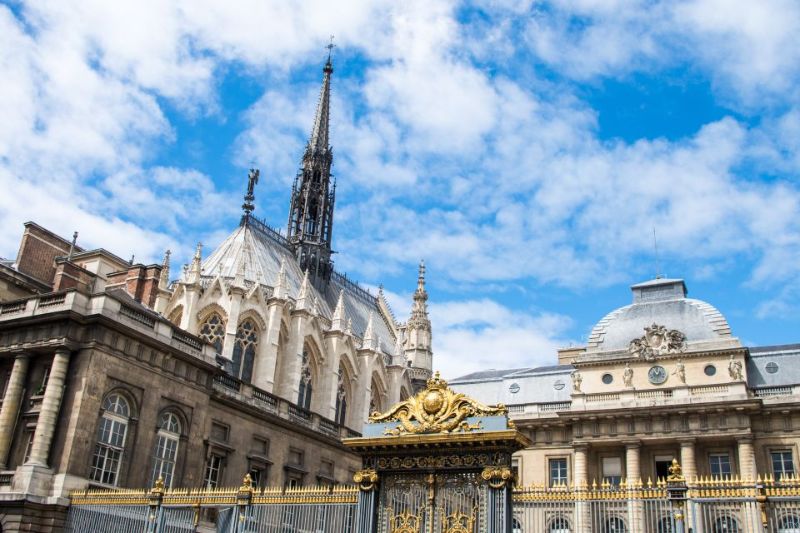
x,y
472,335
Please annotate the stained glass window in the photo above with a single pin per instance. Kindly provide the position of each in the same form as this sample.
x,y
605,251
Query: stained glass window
x,y
213,331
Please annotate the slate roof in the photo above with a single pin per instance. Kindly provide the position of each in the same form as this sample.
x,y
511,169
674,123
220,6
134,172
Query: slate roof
x,y
262,250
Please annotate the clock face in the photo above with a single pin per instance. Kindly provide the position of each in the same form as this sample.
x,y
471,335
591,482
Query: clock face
x,y
657,375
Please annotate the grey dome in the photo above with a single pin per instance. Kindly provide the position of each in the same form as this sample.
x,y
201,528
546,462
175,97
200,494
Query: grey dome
x,y
662,302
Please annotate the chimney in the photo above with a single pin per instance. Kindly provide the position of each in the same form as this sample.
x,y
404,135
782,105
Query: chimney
x,y
139,281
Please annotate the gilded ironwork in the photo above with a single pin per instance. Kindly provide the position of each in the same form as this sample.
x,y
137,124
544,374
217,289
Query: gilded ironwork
x,y
405,522
366,479
437,409
497,476
675,472
468,460
458,522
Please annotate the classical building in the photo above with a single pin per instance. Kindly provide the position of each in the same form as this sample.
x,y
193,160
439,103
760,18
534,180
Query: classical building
x,y
258,358
659,379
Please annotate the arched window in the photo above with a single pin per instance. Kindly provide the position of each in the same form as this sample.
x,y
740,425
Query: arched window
x,y
244,350
559,525
341,399
614,525
516,527
111,435
789,524
306,383
726,524
213,331
166,452
375,404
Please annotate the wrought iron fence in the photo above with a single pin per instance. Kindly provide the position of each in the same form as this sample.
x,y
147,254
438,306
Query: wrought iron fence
x,y
246,509
701,505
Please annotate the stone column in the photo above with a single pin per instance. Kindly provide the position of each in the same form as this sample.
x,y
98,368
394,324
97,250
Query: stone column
x,y
633,471
583,517
747,458
580,475
51,403
688,461
11,401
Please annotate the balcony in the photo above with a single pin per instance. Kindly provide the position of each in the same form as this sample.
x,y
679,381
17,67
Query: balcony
x,y
263,401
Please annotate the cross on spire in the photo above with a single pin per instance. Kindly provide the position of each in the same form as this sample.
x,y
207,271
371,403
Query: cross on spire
x,y
330,48
249,197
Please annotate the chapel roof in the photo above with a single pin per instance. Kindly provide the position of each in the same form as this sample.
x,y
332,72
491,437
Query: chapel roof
x,y
259,251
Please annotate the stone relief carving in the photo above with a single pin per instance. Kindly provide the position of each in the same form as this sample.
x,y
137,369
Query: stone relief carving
x,y
657,340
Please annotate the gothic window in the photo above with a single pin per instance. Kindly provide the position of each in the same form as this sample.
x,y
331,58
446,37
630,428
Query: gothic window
x,y
213,331
341,399
244,350
110,445
166,452
306,383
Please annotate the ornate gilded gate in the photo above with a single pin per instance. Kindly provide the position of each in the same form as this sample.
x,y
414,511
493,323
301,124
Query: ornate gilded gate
x,y
437,462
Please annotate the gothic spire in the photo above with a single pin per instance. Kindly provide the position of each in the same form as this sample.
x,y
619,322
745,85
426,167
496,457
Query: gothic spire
x,y
318,142
196,268
310,227
419,310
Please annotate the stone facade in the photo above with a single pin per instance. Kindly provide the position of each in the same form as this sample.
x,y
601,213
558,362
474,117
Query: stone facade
x,y
659,379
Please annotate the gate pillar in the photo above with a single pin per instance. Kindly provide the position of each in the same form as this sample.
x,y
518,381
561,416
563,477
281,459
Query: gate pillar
x,y
438,461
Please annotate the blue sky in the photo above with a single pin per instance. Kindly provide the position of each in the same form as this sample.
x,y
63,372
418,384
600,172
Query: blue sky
x,y
525,150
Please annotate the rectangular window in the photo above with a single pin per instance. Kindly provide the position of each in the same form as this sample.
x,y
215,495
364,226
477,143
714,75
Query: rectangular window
x,y
612,470
219,432
213,471
558,471
720,464
260,446
28,445
257,476
296,457
782,464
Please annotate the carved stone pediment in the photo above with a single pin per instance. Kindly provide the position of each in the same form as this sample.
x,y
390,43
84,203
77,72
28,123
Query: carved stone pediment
x,y
436,409
657,340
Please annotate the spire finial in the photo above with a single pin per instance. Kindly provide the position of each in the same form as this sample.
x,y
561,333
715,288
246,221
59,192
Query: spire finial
x,y
655,248
72,246
249,197
330,48
421,276
163,280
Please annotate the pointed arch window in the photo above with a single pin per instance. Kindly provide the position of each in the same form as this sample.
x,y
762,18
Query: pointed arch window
x,y
166,451
213,331
341,399
306,383
244,350
111,434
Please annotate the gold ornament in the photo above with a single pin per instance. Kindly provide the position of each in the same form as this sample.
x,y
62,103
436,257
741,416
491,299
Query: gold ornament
x,y
437,409
497,476
405,522
366,479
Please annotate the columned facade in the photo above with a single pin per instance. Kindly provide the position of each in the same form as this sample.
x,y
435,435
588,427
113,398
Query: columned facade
x,y
51,403
11,404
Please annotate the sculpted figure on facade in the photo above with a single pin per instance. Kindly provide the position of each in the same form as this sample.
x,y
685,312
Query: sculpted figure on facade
x,y
657,340
680,371
735,369
627,376
577,379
